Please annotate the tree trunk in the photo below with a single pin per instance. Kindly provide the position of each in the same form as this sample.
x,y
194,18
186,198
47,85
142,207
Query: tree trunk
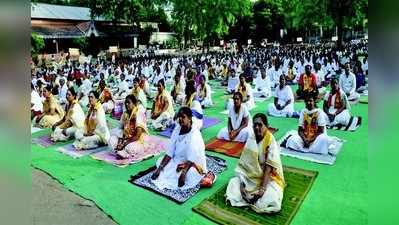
x,y
340,25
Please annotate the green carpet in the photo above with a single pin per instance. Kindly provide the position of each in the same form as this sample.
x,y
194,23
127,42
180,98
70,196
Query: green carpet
x,y
298,182
338,196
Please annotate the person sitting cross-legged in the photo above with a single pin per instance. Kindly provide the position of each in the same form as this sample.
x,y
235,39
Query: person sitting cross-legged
x,y
259,179
238,123
336,107
283,105
312,135
72,121
184,165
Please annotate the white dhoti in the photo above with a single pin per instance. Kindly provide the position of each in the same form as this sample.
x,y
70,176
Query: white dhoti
x,y
323,144
57,135
353,97
241,137
268,203
86,142
343,118
285,112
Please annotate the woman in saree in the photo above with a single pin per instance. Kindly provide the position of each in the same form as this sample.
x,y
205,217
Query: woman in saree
x,y
52,110
72,121
162,110
204,93
106,98
259,180
131,138
95,132
139,93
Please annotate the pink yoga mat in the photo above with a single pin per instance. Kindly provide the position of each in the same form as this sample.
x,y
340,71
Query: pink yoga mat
x,y
44,141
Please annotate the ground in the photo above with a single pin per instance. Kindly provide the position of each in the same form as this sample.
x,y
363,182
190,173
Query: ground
x,y
54,204
338,196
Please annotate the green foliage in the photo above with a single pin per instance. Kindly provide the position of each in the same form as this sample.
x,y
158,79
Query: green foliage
x,y
172,43
205,19
37,44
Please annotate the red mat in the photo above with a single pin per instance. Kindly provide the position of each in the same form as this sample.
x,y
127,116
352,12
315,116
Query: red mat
x,y
230,148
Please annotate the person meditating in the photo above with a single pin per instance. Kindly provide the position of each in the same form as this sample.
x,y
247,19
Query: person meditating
x,y
130,137
312,135
162,110
192,102
259,179
72,121
106,98
246,92
95,132
262,85
347,82
184,164
52,110
283,105
238,123
178,89
336,107
204,93
307,85
139,93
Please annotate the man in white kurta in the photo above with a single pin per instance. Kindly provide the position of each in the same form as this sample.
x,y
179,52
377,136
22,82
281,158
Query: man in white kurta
x,y
347,82
238,127
283,105
336,106
262,85
259,179
123,88
312,135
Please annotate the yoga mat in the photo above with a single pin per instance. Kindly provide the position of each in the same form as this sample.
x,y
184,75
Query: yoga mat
x,y
328,159
44,141
230,148
34,129
143,179
299,182
207,122
71,151
154,146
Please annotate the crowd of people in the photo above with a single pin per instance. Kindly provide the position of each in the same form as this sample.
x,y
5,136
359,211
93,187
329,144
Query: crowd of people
x,y
159,92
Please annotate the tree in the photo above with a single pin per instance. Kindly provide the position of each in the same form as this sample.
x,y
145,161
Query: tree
x,y
37,44
206,19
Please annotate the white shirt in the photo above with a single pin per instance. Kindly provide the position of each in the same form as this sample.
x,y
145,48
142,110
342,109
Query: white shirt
x,y
36,100
320,118
347,83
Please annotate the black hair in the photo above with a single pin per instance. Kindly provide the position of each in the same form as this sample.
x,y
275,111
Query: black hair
x,y
73,92
239,95
161,81
95,93
136,79
186,111
263,117
132,98
48,87
190,88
